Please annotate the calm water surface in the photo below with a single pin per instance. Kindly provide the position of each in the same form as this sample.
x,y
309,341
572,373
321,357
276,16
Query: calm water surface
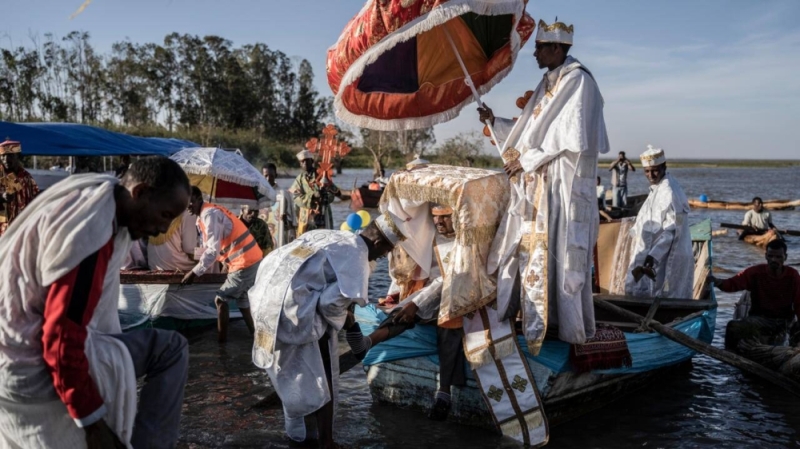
x,y
709,405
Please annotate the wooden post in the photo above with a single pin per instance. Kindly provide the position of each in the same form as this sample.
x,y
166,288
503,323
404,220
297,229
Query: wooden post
x,y
728,357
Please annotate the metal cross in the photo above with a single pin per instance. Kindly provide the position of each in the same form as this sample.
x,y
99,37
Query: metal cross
x,y
495,393
519,384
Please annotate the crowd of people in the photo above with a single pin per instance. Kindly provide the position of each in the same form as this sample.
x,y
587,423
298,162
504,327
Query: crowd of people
x,y
68,374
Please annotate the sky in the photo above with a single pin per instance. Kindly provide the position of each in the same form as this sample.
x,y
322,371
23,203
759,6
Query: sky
x,y
706,79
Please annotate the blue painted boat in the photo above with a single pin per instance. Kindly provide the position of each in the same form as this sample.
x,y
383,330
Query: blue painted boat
x,y
404,371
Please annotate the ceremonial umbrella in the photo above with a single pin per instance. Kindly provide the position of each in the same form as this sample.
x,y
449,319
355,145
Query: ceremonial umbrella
x,y
407,64
225,177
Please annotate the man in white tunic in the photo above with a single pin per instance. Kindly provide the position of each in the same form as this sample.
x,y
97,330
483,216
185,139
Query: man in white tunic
x,y
174,250
662,264
544,244
300,301
67,372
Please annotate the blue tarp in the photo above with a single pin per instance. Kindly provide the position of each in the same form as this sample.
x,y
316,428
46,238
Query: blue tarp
x,y
649,351
71,139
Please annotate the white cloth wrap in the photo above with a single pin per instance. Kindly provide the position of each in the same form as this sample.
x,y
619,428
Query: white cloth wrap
x,y
54,234
301,292
662,231
562,129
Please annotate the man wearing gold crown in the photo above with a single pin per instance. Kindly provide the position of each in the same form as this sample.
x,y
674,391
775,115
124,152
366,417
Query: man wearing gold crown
x,y
313,197
663,262
545,241
17,185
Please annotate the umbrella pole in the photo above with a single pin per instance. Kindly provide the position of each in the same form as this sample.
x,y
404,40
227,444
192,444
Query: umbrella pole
x,y
281,212
468,82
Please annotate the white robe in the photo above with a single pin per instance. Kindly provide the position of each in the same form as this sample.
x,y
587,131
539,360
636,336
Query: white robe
x,y
64,225
662,231
302,292
429,297
559,135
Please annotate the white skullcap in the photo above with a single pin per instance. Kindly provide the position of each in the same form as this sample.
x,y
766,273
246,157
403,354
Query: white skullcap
x,y
653,157
305,154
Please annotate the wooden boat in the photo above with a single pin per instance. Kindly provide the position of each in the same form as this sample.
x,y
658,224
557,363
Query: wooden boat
x,y
736,205
411,382
157,299
761,240
635,203
370,196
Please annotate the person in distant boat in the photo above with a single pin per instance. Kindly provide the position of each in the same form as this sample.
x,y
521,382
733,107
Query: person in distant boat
x,y
225,239
758,220
619,179
312,196
419,302
662,264
300,302
67,371
17,186
774,299
284,201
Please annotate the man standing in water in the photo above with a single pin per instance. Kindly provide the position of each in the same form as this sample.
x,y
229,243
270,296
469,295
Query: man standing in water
x,y
663,262
225,239
300,300
774,297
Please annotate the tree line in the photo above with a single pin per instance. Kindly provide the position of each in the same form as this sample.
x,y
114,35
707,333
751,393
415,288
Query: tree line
x,y
202,89
187,81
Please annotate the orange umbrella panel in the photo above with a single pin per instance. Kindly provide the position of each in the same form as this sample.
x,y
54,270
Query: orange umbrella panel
x,y
418,82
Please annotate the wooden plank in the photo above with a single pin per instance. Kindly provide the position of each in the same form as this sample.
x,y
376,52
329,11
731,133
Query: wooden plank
x,y
730,358
666,303
167,277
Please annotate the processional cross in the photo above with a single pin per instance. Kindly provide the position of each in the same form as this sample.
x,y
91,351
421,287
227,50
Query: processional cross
x,y
328,147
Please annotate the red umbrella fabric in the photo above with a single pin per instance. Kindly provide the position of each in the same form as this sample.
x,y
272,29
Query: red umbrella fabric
x,y
394,66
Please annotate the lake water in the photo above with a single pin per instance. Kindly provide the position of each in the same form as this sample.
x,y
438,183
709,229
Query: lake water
x,y
710,405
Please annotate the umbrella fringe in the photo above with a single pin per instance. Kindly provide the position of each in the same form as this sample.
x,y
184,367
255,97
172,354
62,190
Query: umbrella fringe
x,y
434,18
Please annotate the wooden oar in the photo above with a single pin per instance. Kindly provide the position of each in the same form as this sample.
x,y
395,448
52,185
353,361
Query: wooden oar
x,y
346,361
724,356
748,228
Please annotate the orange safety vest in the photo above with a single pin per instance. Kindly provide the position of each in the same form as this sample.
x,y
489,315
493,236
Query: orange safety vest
x,y
239,250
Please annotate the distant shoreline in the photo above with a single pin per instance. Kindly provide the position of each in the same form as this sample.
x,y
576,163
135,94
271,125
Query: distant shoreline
x,y
719,163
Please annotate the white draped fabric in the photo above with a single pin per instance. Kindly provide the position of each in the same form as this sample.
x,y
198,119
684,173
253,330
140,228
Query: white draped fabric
x,y
173,253
662,231
302,292
559,135
68,222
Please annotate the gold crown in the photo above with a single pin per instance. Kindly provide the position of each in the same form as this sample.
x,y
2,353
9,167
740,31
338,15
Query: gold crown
x,y
556,26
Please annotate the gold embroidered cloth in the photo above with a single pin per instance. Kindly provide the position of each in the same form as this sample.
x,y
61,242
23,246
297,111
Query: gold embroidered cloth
x,y
479,199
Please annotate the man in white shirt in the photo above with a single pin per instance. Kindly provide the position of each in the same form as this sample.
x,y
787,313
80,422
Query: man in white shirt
x,y
225,239
174,250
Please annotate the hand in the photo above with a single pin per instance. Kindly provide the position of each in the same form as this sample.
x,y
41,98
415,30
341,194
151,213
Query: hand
x,y
512,168
485,113
350,318
407,314
189,278
100,436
